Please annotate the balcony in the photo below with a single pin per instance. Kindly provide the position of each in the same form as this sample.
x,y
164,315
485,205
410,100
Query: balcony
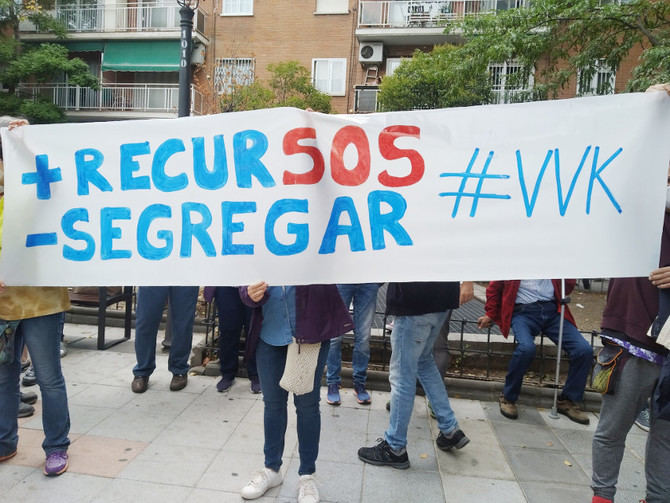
x,y
115,100
414,22
130,21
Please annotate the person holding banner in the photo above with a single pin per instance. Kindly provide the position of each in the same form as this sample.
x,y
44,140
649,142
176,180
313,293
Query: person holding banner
x,y
31,316
420,310
285,317
529,307
151,301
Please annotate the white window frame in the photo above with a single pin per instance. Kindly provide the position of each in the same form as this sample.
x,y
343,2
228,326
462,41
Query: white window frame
x,y
501,91
236,8
241,73
331,63
602,71
392,65
332,7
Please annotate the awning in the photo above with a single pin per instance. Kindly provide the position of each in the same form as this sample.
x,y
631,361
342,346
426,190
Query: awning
x,y
141,56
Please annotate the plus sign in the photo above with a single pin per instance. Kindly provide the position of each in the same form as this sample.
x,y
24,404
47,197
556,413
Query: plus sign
x,y
42,177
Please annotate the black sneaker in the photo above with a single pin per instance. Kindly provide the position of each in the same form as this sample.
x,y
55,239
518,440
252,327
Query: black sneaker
x,y
29,378
457,440
382,455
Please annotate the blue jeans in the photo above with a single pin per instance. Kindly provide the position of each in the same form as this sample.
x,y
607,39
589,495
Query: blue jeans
x,y
151,301
233,315
271,361
364,296
41,337
527,322
412,341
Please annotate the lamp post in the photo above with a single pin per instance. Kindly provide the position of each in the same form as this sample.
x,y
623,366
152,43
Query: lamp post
x,y
186,11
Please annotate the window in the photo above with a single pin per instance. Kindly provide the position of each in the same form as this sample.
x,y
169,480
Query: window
x,y
392,64
507,83
237,8
595,81
332,6
232,72
329,75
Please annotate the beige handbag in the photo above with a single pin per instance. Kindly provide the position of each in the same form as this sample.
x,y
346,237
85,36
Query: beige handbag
x,y
301,361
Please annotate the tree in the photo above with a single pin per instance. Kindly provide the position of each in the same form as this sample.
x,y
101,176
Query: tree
x,y
439,79
42,63
289,86
557,40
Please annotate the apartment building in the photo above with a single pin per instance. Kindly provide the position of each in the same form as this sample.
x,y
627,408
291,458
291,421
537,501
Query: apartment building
x,y
347,45
133,47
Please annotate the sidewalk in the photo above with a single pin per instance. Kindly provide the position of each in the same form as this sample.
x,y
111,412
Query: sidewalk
x,y
198,445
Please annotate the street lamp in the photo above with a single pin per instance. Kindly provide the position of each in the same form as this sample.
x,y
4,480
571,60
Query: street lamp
x,y
188,8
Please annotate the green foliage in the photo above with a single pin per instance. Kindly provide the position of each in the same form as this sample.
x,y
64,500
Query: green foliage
x,y
557,39
21,63
439,79
289,86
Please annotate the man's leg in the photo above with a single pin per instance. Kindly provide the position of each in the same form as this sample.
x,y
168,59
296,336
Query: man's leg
x,y
408,339
9,399
617,414
365,303
656,466
441,348
526,326
150,304
183,300
334,366
231,320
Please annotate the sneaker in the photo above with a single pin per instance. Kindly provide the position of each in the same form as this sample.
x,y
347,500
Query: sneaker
x,y
307,490
255,385
382,455
224,384
600,499
25,410
572,411
333,397
362,396
56,463
507,408
29,378
63,349
455,440
29,397
5,457
643,419
140,384
178,382
260,483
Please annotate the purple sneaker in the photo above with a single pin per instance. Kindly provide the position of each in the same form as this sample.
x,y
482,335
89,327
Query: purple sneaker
x,y
255,385
56,463
224,384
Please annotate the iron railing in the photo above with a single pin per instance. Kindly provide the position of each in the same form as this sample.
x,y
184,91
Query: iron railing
x,y
417,13
157,98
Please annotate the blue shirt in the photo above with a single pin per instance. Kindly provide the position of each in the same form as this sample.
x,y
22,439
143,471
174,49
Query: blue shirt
x,y
534,290
278,327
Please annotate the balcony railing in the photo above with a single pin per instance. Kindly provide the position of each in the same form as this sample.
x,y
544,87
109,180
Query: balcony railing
x,y
120,18
153,98
428,14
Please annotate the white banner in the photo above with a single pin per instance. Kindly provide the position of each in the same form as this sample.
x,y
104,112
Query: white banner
x,y
570,188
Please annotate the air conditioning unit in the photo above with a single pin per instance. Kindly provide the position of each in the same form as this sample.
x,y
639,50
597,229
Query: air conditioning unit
x,y
371,52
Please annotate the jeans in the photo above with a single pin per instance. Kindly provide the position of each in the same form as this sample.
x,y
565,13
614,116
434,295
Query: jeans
x,y
233,315
364,296
271,361
41,336
527,322
151,301
412,341
618,413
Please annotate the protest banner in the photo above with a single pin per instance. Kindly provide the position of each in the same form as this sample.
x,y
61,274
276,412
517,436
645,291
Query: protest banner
x,y
568,188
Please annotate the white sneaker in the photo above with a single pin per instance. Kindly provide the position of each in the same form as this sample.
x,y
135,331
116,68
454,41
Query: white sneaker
x,y
307,490
260,483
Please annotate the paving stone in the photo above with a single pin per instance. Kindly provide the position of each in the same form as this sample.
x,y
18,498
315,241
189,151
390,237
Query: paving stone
x,y
458,488
208,496
102,395
575,441
230,471
384,484
527,435
10,475
170,464
68,488
124,491
544,465
337,482
102,456
631,472
545,492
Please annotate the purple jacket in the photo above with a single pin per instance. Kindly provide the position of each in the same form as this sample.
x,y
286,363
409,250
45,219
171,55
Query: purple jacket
x,y
320,315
